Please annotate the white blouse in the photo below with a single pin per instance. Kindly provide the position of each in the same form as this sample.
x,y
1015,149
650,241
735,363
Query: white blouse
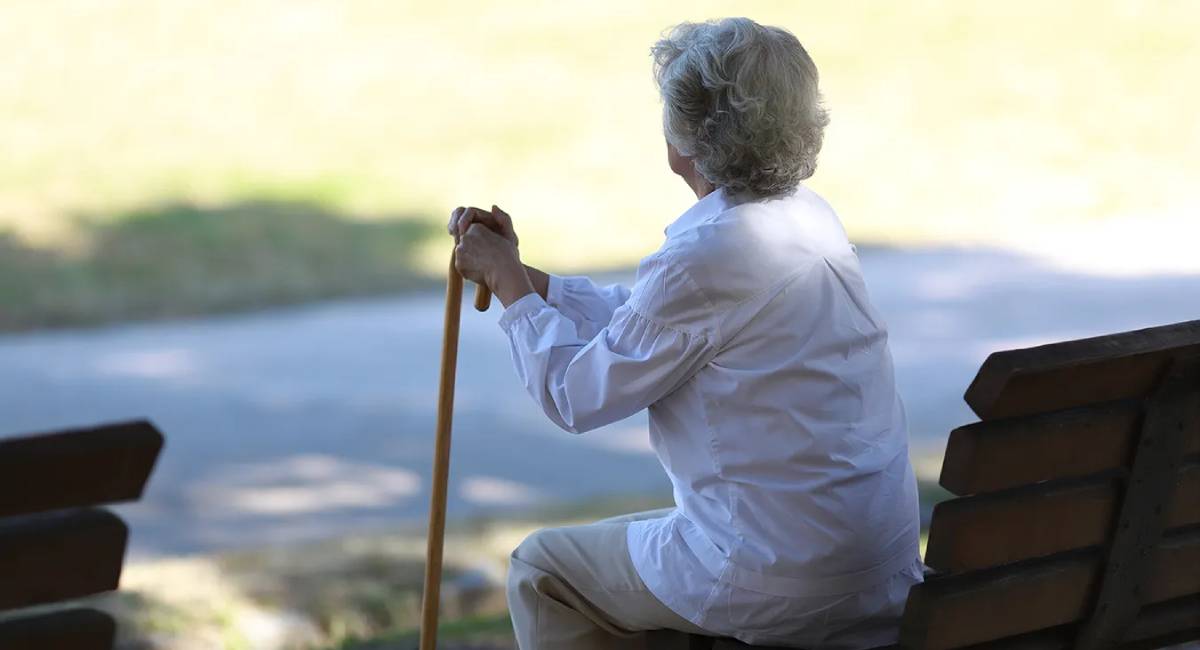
x,y
750,338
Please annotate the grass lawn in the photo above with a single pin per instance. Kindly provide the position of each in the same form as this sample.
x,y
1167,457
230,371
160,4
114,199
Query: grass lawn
x,y
952,122
179,259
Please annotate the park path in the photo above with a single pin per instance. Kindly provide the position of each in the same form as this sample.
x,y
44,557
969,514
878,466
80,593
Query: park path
x,y
309,422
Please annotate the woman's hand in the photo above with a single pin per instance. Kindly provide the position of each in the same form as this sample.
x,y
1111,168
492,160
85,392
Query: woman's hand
x,y
497,219
487,258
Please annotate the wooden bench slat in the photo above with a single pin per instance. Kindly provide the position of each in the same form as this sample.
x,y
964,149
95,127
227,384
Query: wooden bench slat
x,y
1167,623
80,467
1073,373
988,530
72,629
1001,454
51,557
981,606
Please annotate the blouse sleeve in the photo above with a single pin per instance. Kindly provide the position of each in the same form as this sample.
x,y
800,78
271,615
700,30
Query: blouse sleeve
x,y
588,305
650,346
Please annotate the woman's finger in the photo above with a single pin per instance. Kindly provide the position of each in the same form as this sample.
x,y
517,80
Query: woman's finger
x,y
471,253
469,216
505,222
452,227
477,215
460,260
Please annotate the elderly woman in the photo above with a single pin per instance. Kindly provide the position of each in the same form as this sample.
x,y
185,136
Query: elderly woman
x,y
750,338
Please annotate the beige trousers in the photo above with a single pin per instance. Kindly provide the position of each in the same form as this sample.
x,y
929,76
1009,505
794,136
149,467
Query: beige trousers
x,y
575,588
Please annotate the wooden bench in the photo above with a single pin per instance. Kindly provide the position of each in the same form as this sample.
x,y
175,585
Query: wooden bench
x,y
55,545
1076,522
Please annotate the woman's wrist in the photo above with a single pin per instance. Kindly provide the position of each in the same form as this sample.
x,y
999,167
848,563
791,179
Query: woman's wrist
x,y
510,283
540,281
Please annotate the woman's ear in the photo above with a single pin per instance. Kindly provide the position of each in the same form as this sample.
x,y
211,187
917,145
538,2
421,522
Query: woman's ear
x,y
680,164
685,168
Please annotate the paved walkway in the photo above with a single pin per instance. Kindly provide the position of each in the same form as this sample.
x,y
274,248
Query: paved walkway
x,y
308,422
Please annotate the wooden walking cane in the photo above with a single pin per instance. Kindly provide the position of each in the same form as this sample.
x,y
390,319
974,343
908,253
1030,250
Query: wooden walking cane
x,y
441,452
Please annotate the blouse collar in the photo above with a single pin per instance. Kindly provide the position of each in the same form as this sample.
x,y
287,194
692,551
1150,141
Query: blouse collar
x,y
714,203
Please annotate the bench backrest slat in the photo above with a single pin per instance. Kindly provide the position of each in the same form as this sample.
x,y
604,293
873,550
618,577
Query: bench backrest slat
x,y
1167,623
52,557
76,468
965,609
72,629
1157,626
999,528
1076,373
1000,454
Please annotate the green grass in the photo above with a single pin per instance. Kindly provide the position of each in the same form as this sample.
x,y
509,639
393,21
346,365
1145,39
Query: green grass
x,y
181,259
952,122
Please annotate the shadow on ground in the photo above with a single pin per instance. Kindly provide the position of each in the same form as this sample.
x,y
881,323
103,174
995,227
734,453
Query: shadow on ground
x,y
178,259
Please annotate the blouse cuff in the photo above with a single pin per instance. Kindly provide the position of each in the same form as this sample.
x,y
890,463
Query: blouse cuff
x,y
524,306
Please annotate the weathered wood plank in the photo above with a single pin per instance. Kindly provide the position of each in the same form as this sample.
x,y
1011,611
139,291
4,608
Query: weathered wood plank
x,y
999,454
981,606
979,532
1175,571
72,629
987,530
973,608
80,467
52,557
1006,453
1074,373
1167,623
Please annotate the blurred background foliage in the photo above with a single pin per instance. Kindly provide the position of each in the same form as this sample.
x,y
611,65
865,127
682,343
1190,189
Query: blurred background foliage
x,y
180,130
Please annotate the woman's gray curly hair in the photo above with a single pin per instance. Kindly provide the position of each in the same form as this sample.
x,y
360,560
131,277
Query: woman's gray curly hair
x,y
741,99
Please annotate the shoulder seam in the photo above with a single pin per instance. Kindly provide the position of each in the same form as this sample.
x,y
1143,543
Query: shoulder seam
x,y
668,255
